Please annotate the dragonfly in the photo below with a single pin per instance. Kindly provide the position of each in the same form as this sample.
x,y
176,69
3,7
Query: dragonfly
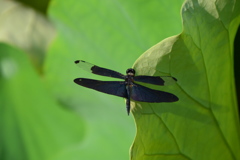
x,y
128,88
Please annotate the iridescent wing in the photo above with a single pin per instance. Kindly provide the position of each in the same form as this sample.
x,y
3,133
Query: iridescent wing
x,y
116,88
98,70
144,94
157,80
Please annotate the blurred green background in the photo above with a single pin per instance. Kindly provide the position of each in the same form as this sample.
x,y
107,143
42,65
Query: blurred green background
x,y
44,115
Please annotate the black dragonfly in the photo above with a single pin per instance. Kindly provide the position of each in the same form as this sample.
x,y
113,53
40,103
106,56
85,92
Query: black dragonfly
x,y
128,88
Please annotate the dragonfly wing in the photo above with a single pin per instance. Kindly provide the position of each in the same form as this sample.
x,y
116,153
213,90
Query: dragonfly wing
x,y
98,70
116,88
144,94
157,80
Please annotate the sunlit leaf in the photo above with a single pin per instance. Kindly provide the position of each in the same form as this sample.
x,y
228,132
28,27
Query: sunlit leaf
x,y
204,124
25,28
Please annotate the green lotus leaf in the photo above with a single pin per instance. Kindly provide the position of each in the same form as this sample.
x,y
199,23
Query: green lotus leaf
x,y
204,123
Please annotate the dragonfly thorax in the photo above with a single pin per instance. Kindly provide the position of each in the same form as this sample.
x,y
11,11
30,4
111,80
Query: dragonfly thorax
x,y
129,80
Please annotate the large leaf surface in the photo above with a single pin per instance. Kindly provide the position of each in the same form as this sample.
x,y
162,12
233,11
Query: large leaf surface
x,y
204,124
33,126
110,34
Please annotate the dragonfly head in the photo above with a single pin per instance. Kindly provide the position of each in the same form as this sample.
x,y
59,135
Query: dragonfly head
x,y
130,71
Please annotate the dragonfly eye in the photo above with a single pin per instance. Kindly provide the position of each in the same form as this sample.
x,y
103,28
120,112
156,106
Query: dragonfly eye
x,y
130,71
